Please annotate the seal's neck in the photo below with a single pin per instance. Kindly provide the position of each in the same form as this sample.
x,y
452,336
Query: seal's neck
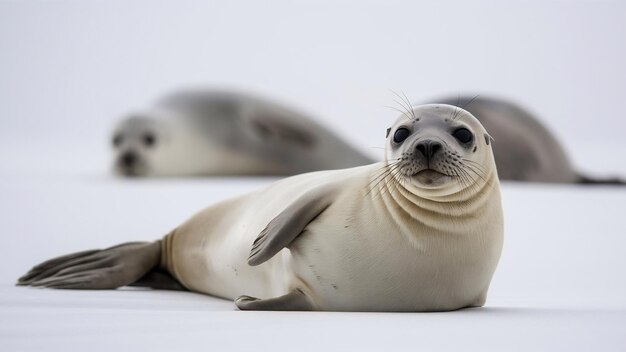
x,y
462,203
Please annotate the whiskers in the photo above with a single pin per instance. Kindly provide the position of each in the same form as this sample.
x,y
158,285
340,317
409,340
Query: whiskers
x,y
387,175
467,172
470,175
405,105
456,113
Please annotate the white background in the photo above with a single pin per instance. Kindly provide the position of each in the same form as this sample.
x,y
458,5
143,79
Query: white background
x,y
69,69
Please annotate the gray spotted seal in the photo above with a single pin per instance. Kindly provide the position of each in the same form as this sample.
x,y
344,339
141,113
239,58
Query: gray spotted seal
x,y
421,231
525,150
213,132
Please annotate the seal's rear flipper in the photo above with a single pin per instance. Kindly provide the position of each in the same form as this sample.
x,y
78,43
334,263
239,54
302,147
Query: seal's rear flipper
x,y
586,180
109,268
294,300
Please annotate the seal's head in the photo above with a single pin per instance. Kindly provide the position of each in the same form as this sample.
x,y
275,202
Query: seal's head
x,y
136,141
440,149
163,142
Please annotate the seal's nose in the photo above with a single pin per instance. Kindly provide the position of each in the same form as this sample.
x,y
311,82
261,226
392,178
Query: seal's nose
x,y
128,159
428,148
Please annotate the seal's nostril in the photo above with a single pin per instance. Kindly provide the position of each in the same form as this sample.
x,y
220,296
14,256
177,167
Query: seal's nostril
x,y
422,148
128,159
428,148
434,148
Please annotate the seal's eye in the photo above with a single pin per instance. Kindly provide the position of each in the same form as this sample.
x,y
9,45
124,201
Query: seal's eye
x,y
400,135
463,135
148,139
117,140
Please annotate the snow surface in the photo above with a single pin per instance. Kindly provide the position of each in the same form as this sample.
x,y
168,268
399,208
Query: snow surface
x,y
559,286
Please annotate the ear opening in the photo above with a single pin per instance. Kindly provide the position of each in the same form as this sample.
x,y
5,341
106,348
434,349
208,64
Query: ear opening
x,y
488,138
388,130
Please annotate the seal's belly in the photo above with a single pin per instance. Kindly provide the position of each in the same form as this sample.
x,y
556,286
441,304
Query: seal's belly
x,y
211,249
358,270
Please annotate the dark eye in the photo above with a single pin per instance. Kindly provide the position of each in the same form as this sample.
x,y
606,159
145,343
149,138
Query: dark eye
x,y
400,135
149,139
463,135
117,140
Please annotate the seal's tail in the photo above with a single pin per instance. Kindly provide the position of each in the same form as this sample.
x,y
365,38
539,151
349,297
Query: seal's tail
x,y
586,180
135,263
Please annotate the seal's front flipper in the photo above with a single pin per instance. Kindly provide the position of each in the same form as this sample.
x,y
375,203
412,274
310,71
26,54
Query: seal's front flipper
x,y
287,225
294,300
97,269
281,129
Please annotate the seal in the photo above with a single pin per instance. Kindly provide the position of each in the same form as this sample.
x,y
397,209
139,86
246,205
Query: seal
x,y
525,150
421,231
212,132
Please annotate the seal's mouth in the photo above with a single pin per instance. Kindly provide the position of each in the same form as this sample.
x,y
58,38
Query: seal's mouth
x,y
134,170
430,177
130,171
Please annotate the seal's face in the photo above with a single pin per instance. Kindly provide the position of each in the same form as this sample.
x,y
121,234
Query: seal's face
x,y
438,147
135,142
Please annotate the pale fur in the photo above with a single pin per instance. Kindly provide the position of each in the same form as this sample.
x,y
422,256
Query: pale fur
x,y
379,246
184,149
212,132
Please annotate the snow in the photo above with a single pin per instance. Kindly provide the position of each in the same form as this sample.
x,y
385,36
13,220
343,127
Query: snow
x,y
559,286
165,321
70,68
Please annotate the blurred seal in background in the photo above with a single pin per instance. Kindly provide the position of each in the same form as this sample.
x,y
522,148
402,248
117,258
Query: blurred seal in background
x,y
212,132
525,150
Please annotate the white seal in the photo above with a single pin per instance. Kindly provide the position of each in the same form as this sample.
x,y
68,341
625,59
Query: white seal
x,y
525,150
208,132
421,231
